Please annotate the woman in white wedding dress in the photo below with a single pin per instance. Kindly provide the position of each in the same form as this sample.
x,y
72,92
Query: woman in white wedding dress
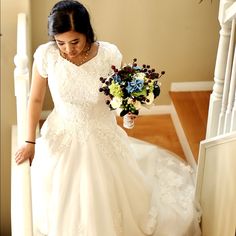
x,y
88,177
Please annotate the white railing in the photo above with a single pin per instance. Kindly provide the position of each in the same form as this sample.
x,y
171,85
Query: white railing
x,y
21,210
215,188
222,107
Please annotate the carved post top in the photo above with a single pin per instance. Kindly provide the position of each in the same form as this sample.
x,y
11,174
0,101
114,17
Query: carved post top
x,y
21,63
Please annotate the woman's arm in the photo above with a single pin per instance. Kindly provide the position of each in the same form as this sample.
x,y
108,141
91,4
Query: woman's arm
x,y
35,103
36,98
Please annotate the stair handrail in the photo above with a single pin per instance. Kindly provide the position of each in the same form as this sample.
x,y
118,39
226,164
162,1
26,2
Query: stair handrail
x,y
21,209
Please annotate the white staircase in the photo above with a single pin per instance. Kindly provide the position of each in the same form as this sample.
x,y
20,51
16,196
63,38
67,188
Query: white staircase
x,y
216,188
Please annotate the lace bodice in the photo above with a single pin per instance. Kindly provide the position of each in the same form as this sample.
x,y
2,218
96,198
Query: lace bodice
x,y
79,107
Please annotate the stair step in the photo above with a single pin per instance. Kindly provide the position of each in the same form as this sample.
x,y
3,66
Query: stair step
x,y
192,110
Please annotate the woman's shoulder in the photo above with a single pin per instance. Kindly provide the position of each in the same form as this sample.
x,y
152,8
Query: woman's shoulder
x,y
45,55
109,47
111,52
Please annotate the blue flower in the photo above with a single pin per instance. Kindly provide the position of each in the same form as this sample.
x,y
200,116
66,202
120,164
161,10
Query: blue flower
x,y
135,85
137,68
117,78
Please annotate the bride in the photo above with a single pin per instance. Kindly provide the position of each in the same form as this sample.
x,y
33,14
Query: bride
x,y
88,177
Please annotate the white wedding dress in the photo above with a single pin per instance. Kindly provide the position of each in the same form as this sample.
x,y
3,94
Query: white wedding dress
x,y
88,177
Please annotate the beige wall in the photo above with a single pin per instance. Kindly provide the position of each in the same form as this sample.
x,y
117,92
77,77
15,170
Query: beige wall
x,y
9,10
179,37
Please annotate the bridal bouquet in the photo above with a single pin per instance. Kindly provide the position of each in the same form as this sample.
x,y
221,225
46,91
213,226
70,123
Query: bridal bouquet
x,y
131,87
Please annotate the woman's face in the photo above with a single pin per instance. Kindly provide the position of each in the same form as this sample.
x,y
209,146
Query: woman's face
x,y
71,43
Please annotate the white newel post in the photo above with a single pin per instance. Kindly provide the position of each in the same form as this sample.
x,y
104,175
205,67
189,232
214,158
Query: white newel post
x,y
21,209
219,75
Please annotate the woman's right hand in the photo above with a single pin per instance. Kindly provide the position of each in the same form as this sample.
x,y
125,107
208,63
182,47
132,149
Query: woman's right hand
x,y
25,152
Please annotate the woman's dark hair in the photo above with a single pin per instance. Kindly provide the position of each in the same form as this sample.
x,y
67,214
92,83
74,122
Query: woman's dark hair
x,y
69,15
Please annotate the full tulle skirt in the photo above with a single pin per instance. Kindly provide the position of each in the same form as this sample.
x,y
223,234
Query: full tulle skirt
x,y
118,187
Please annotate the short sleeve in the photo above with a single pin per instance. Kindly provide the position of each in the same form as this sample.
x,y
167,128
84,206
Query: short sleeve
x,y
40,60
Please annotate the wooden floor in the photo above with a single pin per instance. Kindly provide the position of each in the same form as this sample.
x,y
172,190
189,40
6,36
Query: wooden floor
x,y
158,130
192,109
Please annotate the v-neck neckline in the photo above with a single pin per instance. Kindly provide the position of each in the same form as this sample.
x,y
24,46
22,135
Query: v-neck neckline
x,y
86,62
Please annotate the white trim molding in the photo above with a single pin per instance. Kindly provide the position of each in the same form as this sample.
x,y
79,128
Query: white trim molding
x,y
182,138
192,86
156,110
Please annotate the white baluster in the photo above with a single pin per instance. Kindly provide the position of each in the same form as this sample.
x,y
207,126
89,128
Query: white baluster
x,y
219,74
231,97
216,96
21,82
21,209
227,80
233,116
